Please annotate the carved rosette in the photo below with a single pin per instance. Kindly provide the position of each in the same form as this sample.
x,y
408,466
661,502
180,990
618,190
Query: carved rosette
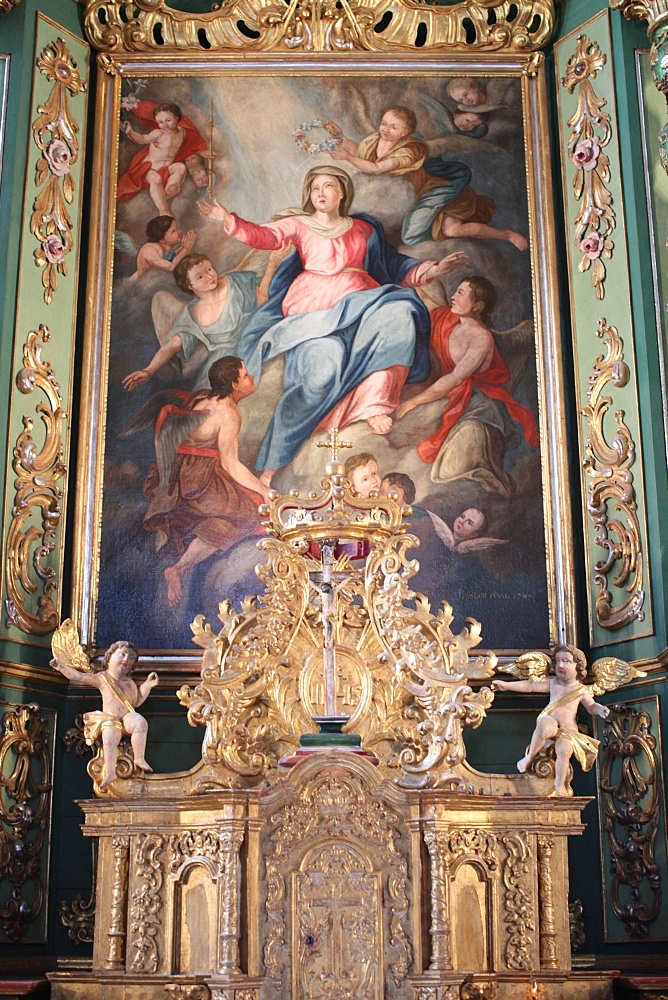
x,y
25,796
591,131
630,799
55,135
36,510
522,26
146,904
519,915
608,466
342,843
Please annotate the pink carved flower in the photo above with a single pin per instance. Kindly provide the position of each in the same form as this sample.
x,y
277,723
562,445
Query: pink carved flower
x,y
58,156
54,249
585,154
592,245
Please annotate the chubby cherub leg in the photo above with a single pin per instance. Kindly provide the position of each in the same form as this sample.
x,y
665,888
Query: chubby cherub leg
x,y
546,729
563,754
137,726
111,737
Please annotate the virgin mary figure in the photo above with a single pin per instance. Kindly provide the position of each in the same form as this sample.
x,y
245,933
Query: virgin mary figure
x,y
343,310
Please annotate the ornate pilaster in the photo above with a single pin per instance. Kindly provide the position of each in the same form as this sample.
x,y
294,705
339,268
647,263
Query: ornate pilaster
x,y
548,934
441,953
145,915
231,841
116,935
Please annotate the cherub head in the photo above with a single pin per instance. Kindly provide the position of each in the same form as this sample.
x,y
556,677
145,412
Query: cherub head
x,y
163,227
566,651
471,523
467,92
362,471
402,485
122,645
397,122
468,121
167,116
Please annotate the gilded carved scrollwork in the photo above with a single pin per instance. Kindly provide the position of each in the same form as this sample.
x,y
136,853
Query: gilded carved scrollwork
x,y
36,510
608,466
591,131
25,797
6,5
522,26
630,799
146,904
55,135
400,675
519,917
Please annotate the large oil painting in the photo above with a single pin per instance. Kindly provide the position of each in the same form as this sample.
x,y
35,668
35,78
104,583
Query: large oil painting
x,y
300,251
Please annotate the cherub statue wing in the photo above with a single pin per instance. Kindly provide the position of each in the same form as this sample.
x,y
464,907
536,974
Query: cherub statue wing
x,y
67,649
610,673
529,667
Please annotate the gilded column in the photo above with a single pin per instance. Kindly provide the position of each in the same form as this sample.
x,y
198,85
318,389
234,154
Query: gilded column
x,y
119,898
230,843
547,932
441,955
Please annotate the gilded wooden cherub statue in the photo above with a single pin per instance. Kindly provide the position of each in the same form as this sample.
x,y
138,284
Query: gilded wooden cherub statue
x,y
120,696
561,676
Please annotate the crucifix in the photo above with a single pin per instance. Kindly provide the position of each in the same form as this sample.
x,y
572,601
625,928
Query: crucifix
x,y
334,443
328,591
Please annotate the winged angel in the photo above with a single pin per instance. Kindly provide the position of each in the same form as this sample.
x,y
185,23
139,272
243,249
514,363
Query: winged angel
x,y
120,695
446,205
562,676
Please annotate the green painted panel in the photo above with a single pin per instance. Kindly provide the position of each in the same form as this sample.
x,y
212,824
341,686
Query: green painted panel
x,y
603,335
43,336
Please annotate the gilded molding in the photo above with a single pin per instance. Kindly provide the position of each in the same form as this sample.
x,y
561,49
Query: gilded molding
x,y
146,904
38,473
630,799
608,466
54,133
591,131
522,26
519,912
25,796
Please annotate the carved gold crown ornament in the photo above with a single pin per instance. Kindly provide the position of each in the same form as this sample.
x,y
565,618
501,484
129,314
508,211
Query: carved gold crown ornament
x,y
523,26
337,633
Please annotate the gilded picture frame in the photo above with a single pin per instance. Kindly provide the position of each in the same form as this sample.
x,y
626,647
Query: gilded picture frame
x,y
256,119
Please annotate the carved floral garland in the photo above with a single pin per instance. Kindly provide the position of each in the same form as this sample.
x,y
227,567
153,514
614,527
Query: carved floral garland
x,y
55,134
591,130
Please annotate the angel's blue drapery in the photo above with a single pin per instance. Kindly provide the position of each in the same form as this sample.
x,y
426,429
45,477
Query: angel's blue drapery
x,y
420,218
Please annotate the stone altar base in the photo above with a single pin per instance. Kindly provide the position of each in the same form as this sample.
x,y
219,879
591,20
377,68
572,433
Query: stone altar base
x,y
334,881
